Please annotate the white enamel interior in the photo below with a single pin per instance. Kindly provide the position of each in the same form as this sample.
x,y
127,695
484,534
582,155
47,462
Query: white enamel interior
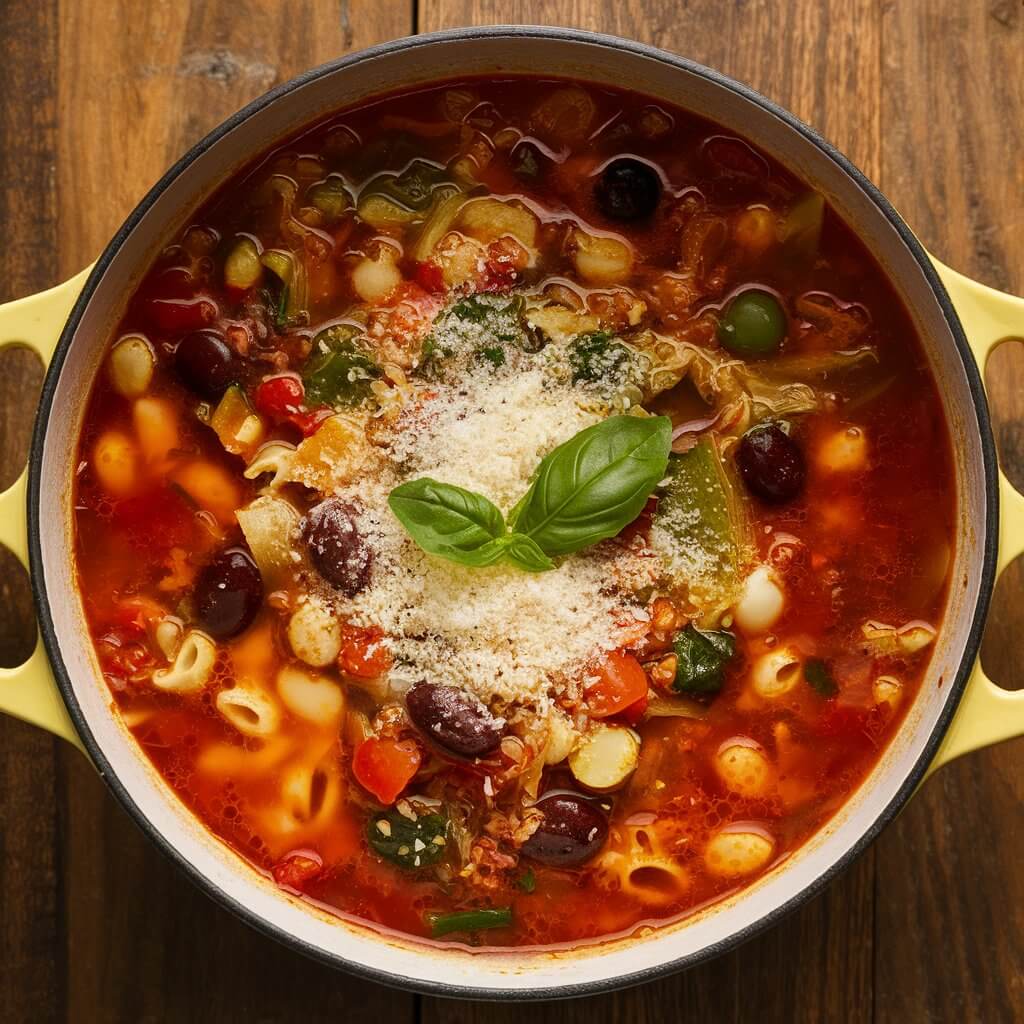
x,y
531,974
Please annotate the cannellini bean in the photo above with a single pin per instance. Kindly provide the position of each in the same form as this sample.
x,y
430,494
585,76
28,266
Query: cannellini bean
x,y
602,260
314,634
156,427
562,737
744,767
310,696
130,365
761,601
845,451
777,671
489,219
736,851
211,487
375,280
193,665
115,458
249,710
605,757
887,690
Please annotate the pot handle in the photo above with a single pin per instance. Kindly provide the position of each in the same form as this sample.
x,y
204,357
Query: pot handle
x,y
29,691
987,714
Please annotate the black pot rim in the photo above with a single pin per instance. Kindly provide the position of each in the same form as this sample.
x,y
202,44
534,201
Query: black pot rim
x,y
815,885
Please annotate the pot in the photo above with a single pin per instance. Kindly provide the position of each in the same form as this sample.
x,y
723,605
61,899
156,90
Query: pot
x,y
60,687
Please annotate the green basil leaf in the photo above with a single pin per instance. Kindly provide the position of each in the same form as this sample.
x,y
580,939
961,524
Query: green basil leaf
x,y
595,484
450,521
819,678
523,552
408,842
700,659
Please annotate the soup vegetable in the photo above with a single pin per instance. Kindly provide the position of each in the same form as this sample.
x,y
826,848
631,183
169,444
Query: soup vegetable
x,y
515,513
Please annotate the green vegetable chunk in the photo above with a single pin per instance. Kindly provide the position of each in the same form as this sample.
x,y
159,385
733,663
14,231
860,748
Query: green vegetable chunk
x,y
701,656
598,357
338,372
330,197
595,484
700,527
819,678
469,921
408,842
754,324
528,881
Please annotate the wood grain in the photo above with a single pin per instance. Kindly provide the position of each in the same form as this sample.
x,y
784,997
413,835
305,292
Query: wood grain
x,y
101,95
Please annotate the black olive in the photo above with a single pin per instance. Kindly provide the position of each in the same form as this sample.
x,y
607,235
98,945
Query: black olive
x,y
336,547
228,593
771,463
628,190
205,363
572,831
454,719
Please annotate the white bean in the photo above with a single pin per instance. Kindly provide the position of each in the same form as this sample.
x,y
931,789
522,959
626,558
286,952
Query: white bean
x,y
602,260
761,601
845,451
314,634
130,364
375,280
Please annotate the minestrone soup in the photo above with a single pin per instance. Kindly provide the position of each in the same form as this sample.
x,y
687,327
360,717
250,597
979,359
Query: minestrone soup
x,y
514,513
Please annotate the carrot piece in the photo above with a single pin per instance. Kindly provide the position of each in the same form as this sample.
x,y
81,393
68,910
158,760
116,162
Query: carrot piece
x,y
384,766
621,682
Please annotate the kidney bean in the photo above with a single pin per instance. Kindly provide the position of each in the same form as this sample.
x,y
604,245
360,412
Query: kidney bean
x,y
771,463
228,593
205,363
336,547
454,719
572,831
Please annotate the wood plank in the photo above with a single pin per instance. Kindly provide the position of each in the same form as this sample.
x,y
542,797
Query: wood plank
x,y
818,964
30,868
950,924
138,85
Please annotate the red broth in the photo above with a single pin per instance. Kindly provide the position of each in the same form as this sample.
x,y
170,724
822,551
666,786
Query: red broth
x,y
737,775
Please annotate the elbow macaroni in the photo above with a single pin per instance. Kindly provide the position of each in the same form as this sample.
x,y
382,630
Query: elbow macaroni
x,y
193,665
251,711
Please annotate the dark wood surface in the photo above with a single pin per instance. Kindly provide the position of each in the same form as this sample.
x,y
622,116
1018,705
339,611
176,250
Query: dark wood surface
x,y
98,96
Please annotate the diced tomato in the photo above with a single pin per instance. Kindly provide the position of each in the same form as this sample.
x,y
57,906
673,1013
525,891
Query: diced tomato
x,y
280,396
362,653
182,314
309,421
621,682
384,767
633,715
430,277
123,654
297,869
500,271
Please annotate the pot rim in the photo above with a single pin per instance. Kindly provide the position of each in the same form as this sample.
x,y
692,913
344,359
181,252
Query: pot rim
x,y
813,886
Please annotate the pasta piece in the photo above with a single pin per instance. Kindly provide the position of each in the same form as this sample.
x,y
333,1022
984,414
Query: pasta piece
x,y
636,863
845,451
744,767
314,634
211,487
115,460
738,850
229,759
777,671
602,260
335,454
169,632
156,427
310,696
251,711
488,219
907,639
274,457
887,690
311,791
269,524
193,665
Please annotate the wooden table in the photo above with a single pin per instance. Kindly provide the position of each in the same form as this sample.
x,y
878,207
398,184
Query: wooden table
x,y
99,96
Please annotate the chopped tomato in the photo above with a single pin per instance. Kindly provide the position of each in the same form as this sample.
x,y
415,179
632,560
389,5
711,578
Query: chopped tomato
x,y
362,653
621,682
294,871
384,767
430,277
309,421
279,396
182,314
633,715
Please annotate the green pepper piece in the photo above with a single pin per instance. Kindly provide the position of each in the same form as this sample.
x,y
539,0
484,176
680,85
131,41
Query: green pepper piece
x,y
819,679
469,921
408,842
701,656
330,197
338,371
754,324
700,526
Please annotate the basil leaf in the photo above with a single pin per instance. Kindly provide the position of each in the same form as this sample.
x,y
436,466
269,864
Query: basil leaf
x,y
700,659
523,552
819,678
595,484
450,521
338,371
